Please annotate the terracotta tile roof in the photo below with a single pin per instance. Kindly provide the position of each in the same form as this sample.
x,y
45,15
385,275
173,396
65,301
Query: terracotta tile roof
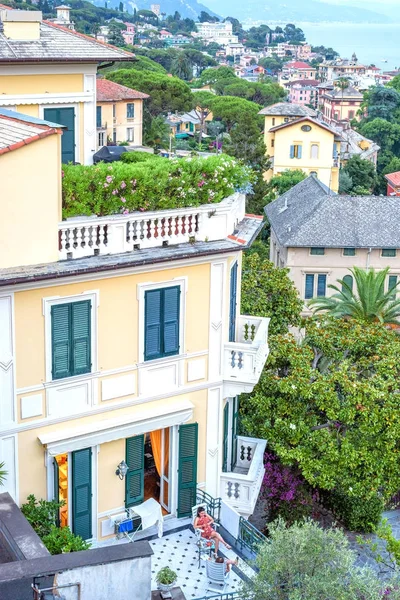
x,y
393,178
58,44
109,91
298,64
18,130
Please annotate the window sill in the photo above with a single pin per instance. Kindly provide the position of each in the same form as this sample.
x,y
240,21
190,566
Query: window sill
x,y
162,361
70,380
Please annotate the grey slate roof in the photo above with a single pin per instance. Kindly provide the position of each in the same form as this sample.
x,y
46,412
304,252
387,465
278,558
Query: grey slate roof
x,y
309,215
349,92
58,44
286,109
242,238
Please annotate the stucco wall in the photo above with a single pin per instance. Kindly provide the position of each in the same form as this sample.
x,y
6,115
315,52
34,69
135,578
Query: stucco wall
x,y
30,204
121,122
42,84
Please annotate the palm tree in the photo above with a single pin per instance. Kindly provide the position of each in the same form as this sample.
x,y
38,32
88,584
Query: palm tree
x,y
3,473
368,303
342,83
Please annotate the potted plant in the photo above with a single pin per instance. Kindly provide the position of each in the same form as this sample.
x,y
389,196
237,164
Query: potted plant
x,y
166,579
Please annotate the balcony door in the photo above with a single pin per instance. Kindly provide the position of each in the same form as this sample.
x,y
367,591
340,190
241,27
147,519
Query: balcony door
x,y
233,302
66,117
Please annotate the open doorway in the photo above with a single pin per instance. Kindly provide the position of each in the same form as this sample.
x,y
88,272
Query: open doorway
x,y
61,486
156,467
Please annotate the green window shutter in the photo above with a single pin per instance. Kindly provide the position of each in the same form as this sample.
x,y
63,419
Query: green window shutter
x,y
291,151
233,302
309,293
321,285
82,493
60,341
392,282
134,480
348,280
81,359
225,438
152,325
235,423
171,302
187,466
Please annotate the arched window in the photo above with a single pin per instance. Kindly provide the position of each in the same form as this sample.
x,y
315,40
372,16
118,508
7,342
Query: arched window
x,y
314,150
348,280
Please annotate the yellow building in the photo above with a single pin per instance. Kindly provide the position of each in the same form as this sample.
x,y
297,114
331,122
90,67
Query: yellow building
x,y
121,356
119,115
49,72
296,140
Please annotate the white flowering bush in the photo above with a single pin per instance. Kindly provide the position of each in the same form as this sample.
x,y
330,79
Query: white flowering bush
x,y
106,189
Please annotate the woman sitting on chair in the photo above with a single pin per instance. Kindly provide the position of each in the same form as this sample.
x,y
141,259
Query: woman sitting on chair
x,y
203,522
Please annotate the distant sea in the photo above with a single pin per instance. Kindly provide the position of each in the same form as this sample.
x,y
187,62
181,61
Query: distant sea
x,y
372,43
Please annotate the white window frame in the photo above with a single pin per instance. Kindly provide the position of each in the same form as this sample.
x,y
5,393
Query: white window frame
x,y
93,297
142,288
314,145
315,272
130,134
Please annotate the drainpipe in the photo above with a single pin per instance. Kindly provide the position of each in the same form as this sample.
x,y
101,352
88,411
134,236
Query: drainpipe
x,y
368,257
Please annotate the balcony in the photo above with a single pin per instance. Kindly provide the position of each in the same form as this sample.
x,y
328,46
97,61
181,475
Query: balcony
x,y
89,236
244,360
240,488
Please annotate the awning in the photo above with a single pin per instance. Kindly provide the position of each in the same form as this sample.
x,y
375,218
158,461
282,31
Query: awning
x,y
149,418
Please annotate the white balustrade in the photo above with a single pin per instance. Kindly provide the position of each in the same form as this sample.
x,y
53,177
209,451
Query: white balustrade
x,y
241,489
88,236
244,360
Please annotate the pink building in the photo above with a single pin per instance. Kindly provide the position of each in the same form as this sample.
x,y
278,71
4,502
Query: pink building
x,y
129,34
303,92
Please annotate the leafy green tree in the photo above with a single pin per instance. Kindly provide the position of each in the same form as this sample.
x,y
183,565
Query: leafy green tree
x,y
307,562
368,302
395,83
282,183
330,405
182,67
345,182
156,134
362,172
212,76
115,37
166,93
267,291
204,17
273,64
383,132
202,103
382,102
141,63
231,110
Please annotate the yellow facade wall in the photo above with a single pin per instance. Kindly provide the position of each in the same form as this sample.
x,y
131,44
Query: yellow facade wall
x,y
110,490
118,319
26,238
29,109
22,30
41,84
121,123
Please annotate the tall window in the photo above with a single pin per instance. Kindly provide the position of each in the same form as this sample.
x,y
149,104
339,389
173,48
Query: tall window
x,y
351,114
129,134
392,282
314,151
161,322
71,339
114,110
98,116
389,252
317,251
296,151
348,280
130,110
315,285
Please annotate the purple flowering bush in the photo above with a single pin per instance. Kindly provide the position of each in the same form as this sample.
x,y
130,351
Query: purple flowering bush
x,y
288,494
106,189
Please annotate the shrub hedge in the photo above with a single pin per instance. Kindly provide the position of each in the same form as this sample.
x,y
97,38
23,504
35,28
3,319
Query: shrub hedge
x,y
106,189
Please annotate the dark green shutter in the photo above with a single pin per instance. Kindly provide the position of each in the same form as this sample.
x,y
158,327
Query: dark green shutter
x,y
309,293
134,480
81,337
235,423
321,285
161,322
187,475
347,279
233,302
152,325
56,495
82,493
61,340
171,320
225,438
392,282
98,116
66,117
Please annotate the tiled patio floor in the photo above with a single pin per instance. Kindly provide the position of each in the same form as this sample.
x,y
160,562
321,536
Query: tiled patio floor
x,y
179,552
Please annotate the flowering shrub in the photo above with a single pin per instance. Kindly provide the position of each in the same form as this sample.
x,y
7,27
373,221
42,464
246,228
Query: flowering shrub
x,y
105,189
287,492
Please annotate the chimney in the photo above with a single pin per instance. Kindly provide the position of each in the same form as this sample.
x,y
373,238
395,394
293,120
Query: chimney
x,y
21,25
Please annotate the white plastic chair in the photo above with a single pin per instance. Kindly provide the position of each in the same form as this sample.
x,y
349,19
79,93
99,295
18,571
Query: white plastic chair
x,y
217,575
